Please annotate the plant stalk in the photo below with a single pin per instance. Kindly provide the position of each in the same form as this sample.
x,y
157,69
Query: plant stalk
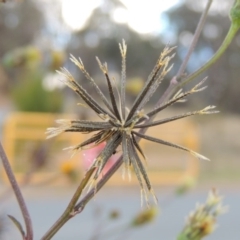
x,y
18,194
228,39
70,210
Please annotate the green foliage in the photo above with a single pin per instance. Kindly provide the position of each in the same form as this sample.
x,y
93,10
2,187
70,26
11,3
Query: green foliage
x,y
235,13
31,96
28,70
29,56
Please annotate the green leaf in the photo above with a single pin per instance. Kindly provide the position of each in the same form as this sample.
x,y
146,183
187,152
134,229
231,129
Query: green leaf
x,y
18,225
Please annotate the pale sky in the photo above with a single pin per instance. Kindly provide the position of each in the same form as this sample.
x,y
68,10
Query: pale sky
x,y
142,16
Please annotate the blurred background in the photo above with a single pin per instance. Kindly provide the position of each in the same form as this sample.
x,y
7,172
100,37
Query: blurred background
x,y
37,38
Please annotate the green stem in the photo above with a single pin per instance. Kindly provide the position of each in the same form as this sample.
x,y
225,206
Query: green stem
x,y
69,212
228,39
80,205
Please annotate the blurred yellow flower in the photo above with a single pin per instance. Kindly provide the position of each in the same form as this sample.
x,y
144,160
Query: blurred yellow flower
x,y
68,168
145,216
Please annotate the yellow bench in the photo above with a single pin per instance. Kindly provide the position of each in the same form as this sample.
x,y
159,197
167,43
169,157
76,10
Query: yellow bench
x,y
165,165
30,128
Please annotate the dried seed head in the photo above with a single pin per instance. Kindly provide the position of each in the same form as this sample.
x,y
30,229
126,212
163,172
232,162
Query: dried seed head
x,y
118,125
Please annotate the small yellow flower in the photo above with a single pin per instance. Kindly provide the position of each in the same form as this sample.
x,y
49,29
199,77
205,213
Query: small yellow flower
x,y
68,168
145,216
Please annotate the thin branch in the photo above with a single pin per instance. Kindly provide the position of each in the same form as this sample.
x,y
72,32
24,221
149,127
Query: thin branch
x,y
228,39
70,210
195,39
81,204
234,28
174,83
18,194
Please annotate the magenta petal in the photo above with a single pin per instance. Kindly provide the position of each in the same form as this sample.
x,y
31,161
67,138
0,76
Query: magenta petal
x,y
90,154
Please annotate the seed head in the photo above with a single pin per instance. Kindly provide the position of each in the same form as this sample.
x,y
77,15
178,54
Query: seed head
x,y
119,127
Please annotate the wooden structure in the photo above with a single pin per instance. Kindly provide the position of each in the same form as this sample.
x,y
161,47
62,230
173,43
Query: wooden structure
x,y
165,166
31,127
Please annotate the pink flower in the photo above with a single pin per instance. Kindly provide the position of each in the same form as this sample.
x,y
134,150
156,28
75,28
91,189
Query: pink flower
x,y
90,154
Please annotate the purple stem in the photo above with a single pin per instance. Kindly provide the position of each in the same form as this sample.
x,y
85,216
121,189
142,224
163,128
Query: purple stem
x,y
18,194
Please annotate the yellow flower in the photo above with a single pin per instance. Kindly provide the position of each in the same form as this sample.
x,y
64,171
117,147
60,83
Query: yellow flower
x,y
145,216
68,168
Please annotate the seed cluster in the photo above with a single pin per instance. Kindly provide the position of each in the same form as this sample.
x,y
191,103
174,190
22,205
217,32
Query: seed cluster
x,y
118,125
